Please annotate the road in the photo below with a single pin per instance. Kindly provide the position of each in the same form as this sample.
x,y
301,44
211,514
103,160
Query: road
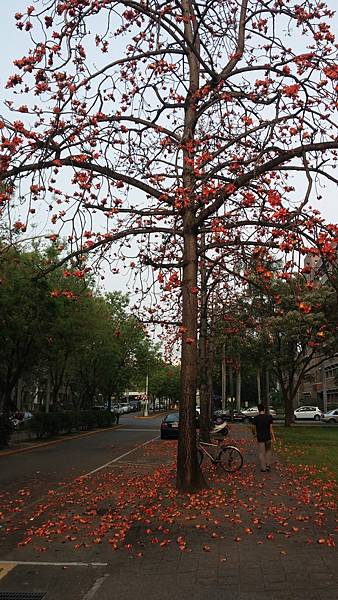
x,y
51,467
31,476
58,463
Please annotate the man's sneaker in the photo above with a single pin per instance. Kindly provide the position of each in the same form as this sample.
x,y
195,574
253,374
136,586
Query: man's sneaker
x,y
268,468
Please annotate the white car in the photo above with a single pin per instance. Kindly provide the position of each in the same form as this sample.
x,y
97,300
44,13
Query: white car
x,y
121,409
250,412
331,416
253,411
308,412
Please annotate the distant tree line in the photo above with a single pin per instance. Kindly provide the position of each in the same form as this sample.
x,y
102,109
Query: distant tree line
x,y
66,345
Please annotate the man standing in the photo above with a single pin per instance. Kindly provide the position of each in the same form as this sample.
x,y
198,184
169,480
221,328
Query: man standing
x,y
262,429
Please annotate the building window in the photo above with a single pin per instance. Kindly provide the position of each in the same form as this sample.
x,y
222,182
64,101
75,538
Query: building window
x,y
331,371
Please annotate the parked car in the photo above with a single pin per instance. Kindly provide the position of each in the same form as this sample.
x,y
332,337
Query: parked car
x,y
135,405
247,414
221,415
19,419
238,415
308,412
169,426
253,411
126,408
331,416
121,409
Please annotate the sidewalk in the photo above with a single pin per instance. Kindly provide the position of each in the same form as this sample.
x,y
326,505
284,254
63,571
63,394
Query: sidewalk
x,y
249,536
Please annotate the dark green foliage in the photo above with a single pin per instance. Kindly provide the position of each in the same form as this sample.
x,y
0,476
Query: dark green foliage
x,y
64,341
51,424
6,429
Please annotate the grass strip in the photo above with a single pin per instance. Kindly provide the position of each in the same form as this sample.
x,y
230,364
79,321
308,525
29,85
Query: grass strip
x,y
314,446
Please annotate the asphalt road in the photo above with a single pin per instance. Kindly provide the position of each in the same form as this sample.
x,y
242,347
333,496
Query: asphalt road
x,y
31,475
49,467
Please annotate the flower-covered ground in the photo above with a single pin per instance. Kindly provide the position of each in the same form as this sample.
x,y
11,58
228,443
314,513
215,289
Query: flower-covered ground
x,y
134,508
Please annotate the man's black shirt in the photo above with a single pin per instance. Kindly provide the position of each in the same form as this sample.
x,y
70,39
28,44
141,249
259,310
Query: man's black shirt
x,y
262,423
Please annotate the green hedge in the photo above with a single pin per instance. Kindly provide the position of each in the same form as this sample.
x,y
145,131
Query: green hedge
x,y
50,424
6,429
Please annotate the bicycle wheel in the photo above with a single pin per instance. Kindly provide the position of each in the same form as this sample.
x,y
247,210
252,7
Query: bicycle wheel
x,y
230,459
200,456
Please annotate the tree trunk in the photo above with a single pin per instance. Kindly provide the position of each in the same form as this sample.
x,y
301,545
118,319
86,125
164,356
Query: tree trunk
x,y
238,388
258,386
267,387
289,416
210,379
48,393
189,476
203,353
224,379
231,386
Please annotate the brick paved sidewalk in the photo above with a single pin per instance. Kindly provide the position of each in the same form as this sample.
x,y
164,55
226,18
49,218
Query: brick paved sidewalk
x,y
261,543
270,537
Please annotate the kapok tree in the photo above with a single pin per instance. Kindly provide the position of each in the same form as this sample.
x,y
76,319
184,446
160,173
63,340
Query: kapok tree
x,y
160,121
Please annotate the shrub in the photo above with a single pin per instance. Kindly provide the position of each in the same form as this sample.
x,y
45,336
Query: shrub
x,y
6,429
50,424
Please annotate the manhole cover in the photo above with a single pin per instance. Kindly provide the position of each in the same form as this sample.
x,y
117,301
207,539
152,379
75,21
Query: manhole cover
x,y
22,595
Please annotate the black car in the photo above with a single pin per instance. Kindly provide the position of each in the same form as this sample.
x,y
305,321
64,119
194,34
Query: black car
x,y
220,416
169,426
238,416
228,415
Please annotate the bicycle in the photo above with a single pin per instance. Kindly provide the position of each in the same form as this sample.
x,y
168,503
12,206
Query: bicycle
x,y
228,457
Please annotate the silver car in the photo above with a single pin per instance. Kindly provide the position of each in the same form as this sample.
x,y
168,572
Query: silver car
x,y
249,413
331,416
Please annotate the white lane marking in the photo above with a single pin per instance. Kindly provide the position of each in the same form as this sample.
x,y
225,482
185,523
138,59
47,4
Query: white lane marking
x,y
119,457
52,564
92,592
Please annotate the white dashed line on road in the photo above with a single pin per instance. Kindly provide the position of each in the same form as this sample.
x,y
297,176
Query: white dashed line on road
x,y
119,457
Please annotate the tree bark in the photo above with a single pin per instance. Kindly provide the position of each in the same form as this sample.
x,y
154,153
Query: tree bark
x,y
205,399
189,476
238,388
224,379
258,386
289,416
